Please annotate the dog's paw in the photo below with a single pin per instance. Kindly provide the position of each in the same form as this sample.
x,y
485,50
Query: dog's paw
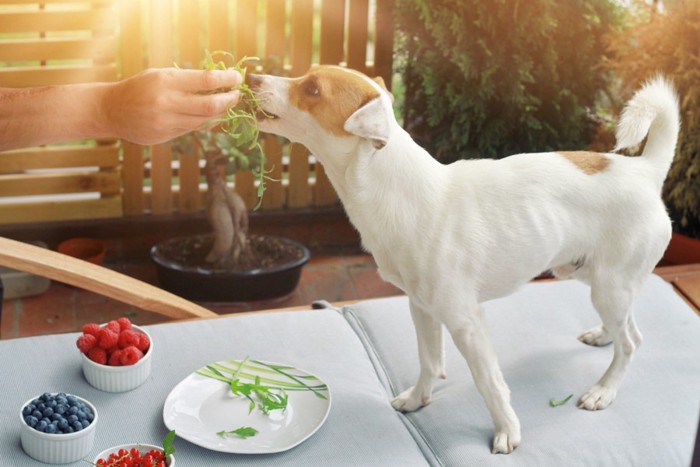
x,y
597,336
597,398
505,442
410,400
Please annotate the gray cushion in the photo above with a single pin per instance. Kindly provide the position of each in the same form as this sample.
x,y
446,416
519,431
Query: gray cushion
x,y
652,422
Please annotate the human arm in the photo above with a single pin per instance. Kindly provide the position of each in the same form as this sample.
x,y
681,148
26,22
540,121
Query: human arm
x,y
151,107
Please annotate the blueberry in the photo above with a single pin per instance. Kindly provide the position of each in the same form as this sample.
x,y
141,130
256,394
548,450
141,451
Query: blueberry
x,y
46,397
41,426
31,420
37,413
72,419
61,400
72,400
61,408
77,426
48,412
85,423
28,409
63,424
73,410
69,429
52,403
51,429
90,416
41,406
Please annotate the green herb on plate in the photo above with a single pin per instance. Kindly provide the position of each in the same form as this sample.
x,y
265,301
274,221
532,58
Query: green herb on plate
x,y
243,432
267,399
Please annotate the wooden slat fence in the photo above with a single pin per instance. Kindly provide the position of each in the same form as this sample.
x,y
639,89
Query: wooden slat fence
x,y
60,42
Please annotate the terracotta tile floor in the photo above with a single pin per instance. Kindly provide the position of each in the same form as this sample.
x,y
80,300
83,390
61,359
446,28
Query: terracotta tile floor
x,y
65,309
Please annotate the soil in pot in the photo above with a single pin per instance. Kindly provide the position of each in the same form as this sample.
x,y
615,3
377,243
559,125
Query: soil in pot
x,y
271,269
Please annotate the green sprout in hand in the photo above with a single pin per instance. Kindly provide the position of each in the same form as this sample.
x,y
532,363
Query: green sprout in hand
x,y
241,122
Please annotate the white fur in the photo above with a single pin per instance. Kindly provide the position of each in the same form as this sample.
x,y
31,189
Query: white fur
x,y
455,236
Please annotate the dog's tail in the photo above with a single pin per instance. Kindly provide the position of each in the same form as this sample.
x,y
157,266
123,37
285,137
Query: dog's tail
x,y
652,112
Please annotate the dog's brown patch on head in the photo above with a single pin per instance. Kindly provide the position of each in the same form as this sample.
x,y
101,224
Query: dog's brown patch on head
x,y
331,95
589,162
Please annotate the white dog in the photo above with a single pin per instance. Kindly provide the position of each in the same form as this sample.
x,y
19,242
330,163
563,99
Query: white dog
x,y
452,237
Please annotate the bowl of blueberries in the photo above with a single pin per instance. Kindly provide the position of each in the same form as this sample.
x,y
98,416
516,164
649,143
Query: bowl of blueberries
x,y
58,428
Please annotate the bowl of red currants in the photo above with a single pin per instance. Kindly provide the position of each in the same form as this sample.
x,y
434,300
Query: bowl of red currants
x,y
135,455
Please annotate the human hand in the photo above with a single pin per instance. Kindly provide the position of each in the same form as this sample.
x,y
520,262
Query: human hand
x,y
160,104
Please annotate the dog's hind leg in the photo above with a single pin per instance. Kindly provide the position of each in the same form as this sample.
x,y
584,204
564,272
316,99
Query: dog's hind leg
x,y
470,335
613,301
431,354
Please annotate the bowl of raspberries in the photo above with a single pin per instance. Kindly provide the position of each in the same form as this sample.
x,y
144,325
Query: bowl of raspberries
x,y
116,355
57,428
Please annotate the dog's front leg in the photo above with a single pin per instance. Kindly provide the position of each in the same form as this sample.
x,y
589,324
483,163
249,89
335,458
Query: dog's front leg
x,y
432,361
470,335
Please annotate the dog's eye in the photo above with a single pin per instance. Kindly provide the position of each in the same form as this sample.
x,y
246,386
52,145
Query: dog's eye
x,y
311,89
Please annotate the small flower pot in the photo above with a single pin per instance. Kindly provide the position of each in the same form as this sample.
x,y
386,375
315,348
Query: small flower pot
x,y
87,249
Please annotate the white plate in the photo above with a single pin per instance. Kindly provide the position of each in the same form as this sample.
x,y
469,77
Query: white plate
x,y
200,406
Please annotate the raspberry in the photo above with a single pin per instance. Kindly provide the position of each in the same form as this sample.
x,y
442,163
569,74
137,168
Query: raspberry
x,y
124,323
129,337
97,355
91,328
115,358
86,342
130,355
107,338
144,342
113,326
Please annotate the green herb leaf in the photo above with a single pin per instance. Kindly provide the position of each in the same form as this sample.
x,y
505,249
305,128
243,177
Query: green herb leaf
x,y
243,432
168,447
556,403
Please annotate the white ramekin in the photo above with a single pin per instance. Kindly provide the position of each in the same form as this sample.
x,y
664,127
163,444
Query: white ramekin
x,y
58,448
143,449
119,378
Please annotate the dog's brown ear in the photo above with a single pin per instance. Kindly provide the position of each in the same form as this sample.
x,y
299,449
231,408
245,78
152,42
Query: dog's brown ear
x,y
380,81
372,122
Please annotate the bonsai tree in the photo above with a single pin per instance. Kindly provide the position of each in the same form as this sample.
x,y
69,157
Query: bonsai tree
x,y
667,42
225,209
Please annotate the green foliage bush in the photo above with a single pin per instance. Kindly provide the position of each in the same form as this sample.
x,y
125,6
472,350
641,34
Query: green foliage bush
x,y
492,78
669,43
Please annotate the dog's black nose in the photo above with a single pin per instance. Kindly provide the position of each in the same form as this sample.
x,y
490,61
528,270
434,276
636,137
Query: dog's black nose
x,y
252,80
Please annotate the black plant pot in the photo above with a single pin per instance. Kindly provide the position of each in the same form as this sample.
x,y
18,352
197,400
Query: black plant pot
x,y
208,285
